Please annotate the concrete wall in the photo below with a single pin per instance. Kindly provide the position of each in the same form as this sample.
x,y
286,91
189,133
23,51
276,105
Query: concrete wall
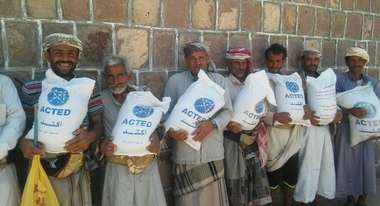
x,y
150,33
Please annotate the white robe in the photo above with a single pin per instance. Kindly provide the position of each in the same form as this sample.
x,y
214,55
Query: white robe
x,y
10,194
11,127
317,172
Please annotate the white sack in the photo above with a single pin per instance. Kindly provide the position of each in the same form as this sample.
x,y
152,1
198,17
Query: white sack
x,y
249,105
290,96
321,96
62,107
138,117
201,100
362,97
3,114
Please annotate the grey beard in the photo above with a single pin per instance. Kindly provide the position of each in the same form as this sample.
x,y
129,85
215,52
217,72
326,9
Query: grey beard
x,y
118,89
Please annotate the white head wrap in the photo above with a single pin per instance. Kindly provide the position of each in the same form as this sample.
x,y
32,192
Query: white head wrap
x,y
359,52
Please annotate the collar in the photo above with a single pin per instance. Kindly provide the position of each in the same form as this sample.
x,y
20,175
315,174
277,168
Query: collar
x,y
314,74
235,80
195,77
267,71
51,76
363,77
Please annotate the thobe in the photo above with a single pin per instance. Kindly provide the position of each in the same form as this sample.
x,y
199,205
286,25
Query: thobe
x,y
121,187
355,166
12,123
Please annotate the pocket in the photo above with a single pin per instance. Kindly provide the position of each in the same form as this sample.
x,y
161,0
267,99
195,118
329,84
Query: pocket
x,y
3,114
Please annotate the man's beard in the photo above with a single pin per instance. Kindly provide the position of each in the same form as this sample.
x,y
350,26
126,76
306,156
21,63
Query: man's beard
x,y
118,89
58,71
312,68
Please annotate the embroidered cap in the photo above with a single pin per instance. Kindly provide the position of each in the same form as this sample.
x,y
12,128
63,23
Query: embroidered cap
x,y
62,39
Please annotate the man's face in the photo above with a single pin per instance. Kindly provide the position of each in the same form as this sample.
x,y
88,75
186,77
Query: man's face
x,y
196,61
355,64
63,59
275,62
117,79
239,68
310,62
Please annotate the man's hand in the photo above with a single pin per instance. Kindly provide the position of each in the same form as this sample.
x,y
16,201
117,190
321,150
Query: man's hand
x,y
338,117
282,117
308,113
154,146
314,120
82,140
179,135
358,112
204,128
29,150
107,148
234,127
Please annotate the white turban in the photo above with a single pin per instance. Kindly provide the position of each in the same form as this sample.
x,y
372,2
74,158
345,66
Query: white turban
x,y
359,52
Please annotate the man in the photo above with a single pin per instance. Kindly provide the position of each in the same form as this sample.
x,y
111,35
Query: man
x,y
246,179
124,185
199,175
12,123
317,173
62,52
284,140
355,166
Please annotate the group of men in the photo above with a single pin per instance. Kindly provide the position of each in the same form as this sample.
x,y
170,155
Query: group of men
x,y
232,167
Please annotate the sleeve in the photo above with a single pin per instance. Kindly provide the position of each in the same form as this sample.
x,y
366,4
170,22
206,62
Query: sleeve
x,y
15,118
95,104
224,115
376,88
29,95
170,91
268,117
338,86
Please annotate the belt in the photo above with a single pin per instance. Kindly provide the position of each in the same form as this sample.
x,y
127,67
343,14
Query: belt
x,y
244,138
63,165
136,165
3,162
285,126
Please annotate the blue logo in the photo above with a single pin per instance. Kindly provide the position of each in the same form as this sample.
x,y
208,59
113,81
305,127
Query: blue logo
x,y
142,111
259,107
204,105
371,109
58,96
292,86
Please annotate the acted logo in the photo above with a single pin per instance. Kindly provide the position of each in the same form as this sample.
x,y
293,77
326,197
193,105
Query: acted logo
x,y
204,105
58,96
259,108
292,86
371,109
142,111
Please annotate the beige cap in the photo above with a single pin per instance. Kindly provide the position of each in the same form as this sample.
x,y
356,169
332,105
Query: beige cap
x,y
359,52
62,39
310,51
